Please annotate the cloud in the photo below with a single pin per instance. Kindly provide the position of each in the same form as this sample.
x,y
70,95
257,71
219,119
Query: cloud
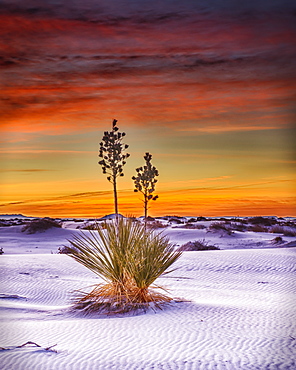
x,y
67,198
68,66
26,170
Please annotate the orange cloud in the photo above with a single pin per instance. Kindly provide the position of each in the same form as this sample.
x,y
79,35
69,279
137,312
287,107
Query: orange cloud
x,y
171,76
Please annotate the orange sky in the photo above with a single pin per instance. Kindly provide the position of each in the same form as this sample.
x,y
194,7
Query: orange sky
x,y
207,89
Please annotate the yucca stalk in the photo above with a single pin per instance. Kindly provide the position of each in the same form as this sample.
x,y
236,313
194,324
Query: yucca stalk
x,y
129,258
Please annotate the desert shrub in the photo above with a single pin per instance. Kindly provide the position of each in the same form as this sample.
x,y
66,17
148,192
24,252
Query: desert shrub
x,y
257,229
264,221
156,225
276,229
1,251
290,232
64,250
289,224
4,223
198,245
221,226
92,226
238,226
149,218
175,220
12,222
40,225
192,226
129,258
277,240
285,230
191,220
201,218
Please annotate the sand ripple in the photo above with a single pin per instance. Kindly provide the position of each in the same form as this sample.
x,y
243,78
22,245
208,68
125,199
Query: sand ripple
x,y
240,315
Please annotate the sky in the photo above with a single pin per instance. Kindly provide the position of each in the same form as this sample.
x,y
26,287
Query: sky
x,y
207,87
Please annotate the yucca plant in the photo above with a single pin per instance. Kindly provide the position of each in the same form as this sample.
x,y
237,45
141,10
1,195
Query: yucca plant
x,y
129,258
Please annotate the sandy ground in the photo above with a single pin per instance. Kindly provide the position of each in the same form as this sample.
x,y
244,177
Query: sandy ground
x,y
236,308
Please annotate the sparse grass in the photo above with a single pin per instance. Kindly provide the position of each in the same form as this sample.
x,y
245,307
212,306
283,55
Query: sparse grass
x,y
258,229
223,227
40,225
153,225
238,226
92,226
263,221
129,258
193,226
285,230
198,245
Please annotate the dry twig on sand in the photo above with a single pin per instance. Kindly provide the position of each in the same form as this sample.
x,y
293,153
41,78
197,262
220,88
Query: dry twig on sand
x,y
27,343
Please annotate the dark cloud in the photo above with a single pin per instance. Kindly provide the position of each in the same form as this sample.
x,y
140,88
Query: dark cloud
x,y
11,204
90,194
61,55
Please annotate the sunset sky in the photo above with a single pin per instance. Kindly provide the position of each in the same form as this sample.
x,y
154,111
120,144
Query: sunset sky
x,y
207,87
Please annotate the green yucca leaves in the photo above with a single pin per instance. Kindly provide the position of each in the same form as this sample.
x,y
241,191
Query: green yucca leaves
x,y
127,256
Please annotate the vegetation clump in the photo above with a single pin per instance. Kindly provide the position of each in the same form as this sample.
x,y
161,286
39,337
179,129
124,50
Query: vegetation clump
x,y
285,230
156,224
193,226
223,227
263,221
40,225
198,245
277,240
258,229
129,258
238,226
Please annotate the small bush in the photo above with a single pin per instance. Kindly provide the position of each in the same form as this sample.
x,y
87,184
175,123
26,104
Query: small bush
x,y
149,219
192,220
40,225
264,221
201,218
1,251
175,221
258,229
285,230
198,245
64,250
192,226
87,226
221,226
154,225
237,226
277,240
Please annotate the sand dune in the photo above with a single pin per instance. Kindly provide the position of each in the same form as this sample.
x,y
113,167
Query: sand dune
x,y
236,311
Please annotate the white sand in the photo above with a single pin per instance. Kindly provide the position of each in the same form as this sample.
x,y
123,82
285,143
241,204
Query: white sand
x,y
239,309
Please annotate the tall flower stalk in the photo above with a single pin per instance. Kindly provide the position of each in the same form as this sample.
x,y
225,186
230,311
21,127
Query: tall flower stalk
x,y
112,152
145,181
